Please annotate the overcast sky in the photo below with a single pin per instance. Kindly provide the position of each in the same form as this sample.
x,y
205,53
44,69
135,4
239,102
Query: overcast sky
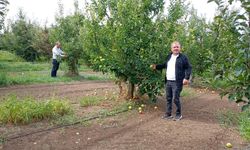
x,y
45,10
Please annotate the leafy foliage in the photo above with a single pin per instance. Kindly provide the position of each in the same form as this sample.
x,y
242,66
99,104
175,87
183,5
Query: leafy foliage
x,y
19,38
67,31
3,5
197,43
26,39
233,45
125,37
42,44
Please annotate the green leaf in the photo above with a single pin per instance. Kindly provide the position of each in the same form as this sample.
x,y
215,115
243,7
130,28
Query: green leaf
x,y
209,1
230,1
245,107
222,94
231,97
243,17
238,72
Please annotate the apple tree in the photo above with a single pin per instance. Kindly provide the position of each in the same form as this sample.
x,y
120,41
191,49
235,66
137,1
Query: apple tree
x,y
3,10
124,37
233,38
67,31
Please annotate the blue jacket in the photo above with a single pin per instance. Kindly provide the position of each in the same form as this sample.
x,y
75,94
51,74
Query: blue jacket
x,y
183,68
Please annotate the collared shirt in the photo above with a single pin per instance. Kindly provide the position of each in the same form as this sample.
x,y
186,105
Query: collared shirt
x,y
170,72
57,52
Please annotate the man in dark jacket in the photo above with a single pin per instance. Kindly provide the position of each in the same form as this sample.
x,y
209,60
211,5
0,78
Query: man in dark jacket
x,y
178,71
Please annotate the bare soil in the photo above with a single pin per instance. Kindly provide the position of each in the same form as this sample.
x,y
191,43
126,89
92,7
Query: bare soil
x,y
198,130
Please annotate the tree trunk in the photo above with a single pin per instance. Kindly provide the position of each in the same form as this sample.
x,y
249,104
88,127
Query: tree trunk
x,y
73,70
122,88
131,89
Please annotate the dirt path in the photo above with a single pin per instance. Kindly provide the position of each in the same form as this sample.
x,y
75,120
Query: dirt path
x,y
70,90
199,129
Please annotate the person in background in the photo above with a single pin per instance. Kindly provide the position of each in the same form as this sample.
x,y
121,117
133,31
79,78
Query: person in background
x,y
57,55
178,71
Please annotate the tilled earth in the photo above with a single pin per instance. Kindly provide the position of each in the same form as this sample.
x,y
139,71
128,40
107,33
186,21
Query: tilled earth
x,y
198,130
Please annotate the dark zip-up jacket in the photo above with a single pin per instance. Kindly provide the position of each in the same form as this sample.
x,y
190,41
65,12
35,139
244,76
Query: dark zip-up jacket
x,y
183,68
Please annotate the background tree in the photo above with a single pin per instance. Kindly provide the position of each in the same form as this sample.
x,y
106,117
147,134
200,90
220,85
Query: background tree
x,y
67,31
14,36
197,42
42,44
3,9
234,38
125,37
19,38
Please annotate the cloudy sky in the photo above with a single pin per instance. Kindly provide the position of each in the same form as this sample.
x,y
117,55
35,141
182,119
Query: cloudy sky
x,y
45,10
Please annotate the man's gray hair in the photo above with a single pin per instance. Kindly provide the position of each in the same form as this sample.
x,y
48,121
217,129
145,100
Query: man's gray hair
x,y
58,43
175,42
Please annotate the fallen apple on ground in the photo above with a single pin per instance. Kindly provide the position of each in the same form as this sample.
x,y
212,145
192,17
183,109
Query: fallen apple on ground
x,y
229,145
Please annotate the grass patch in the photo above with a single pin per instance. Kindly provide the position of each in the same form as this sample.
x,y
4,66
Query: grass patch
x,y
3,79
102,77
66,119
12,73
23,66
239,120
83,68
31,77
7,56
16,111
228,118
90,101
244,124
86,123
187,92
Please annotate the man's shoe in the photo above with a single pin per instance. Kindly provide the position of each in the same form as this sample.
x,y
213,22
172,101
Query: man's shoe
x,y
178,117
167,117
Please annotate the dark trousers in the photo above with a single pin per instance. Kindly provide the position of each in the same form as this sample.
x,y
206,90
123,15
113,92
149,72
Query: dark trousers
x,y
173,90
54,68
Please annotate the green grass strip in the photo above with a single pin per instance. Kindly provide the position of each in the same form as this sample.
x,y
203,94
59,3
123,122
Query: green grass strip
x,y
15,111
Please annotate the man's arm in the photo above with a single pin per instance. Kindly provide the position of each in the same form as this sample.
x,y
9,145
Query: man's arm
x,y
61,53
158,66
188,69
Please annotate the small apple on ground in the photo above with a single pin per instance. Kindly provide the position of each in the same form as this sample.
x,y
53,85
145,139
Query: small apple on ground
x,y
229,145
155,107
129,107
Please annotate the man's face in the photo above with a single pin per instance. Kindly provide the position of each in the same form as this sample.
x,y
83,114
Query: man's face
x,y
58,45
175,48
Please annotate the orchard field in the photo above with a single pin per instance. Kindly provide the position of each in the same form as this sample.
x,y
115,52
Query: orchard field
x,y
106,95
204,124
102,119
